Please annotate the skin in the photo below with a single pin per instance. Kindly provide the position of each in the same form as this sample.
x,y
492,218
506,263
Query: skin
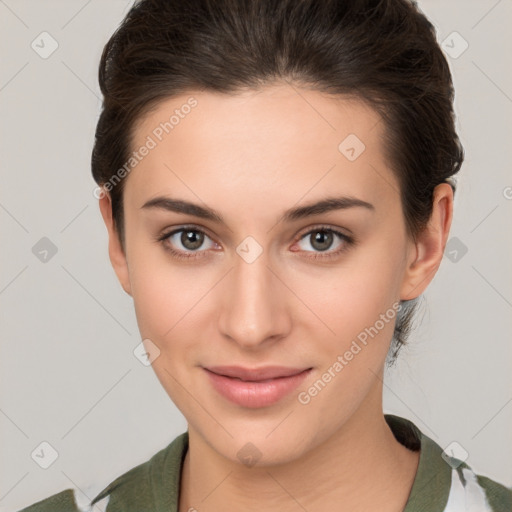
x,y
250,157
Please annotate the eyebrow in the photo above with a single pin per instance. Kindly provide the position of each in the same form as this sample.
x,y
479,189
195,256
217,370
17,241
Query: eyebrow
x,y
325,205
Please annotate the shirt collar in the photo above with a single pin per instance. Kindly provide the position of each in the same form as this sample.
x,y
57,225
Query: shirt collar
x,y
431,486
429,492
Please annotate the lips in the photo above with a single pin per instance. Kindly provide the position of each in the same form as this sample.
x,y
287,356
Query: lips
x,y
257,374
254,388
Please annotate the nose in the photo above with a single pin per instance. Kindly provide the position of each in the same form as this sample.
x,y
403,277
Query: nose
x,y
254,304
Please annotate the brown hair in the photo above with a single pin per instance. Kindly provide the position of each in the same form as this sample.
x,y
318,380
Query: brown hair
x,y
383,52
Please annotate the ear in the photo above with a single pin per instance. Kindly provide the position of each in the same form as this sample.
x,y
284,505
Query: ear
x,y
115,249
428,249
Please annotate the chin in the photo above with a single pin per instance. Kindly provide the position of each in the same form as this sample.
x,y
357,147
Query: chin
x,y
255,447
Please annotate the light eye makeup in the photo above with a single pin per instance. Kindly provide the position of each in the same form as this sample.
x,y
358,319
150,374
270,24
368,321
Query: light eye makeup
x,y
180,236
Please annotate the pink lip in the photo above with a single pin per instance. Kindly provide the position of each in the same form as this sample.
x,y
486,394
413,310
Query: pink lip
x,y
258,387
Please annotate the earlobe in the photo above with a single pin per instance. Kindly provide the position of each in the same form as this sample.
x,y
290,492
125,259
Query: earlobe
x,y
115,250
430,245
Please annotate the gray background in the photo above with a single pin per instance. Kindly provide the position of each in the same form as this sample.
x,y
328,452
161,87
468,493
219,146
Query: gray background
x,y
68,373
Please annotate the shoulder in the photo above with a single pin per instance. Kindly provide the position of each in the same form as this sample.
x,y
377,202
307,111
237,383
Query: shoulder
x,y
444,483
153,485
479,491
63,501
473,492
144,487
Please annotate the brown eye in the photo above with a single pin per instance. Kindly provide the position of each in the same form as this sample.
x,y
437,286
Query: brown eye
x,y
191,239
321,239
186,243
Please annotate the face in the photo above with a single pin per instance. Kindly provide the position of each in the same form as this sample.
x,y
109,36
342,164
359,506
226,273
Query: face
x,y
252,278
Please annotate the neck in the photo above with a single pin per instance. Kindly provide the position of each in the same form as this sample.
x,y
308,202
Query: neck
x,y
360,467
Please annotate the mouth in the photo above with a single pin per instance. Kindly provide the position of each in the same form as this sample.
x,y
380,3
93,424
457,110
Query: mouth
x,y
255,388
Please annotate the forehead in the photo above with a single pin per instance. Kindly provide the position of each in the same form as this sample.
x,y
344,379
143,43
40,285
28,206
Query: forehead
x,y
282,142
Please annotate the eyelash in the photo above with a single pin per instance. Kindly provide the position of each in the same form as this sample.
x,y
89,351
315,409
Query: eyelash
x,y
325,256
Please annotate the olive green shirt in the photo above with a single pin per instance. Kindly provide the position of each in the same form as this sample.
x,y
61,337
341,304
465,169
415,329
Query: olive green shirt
x,y
442,483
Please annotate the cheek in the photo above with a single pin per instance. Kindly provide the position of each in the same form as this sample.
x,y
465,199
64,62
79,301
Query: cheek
x,y
343,300
156,304
166,300
360,307
355,308
155,290
167,297
353,295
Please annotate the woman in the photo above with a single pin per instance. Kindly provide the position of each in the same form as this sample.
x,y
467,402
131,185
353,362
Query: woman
x,y
276,181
